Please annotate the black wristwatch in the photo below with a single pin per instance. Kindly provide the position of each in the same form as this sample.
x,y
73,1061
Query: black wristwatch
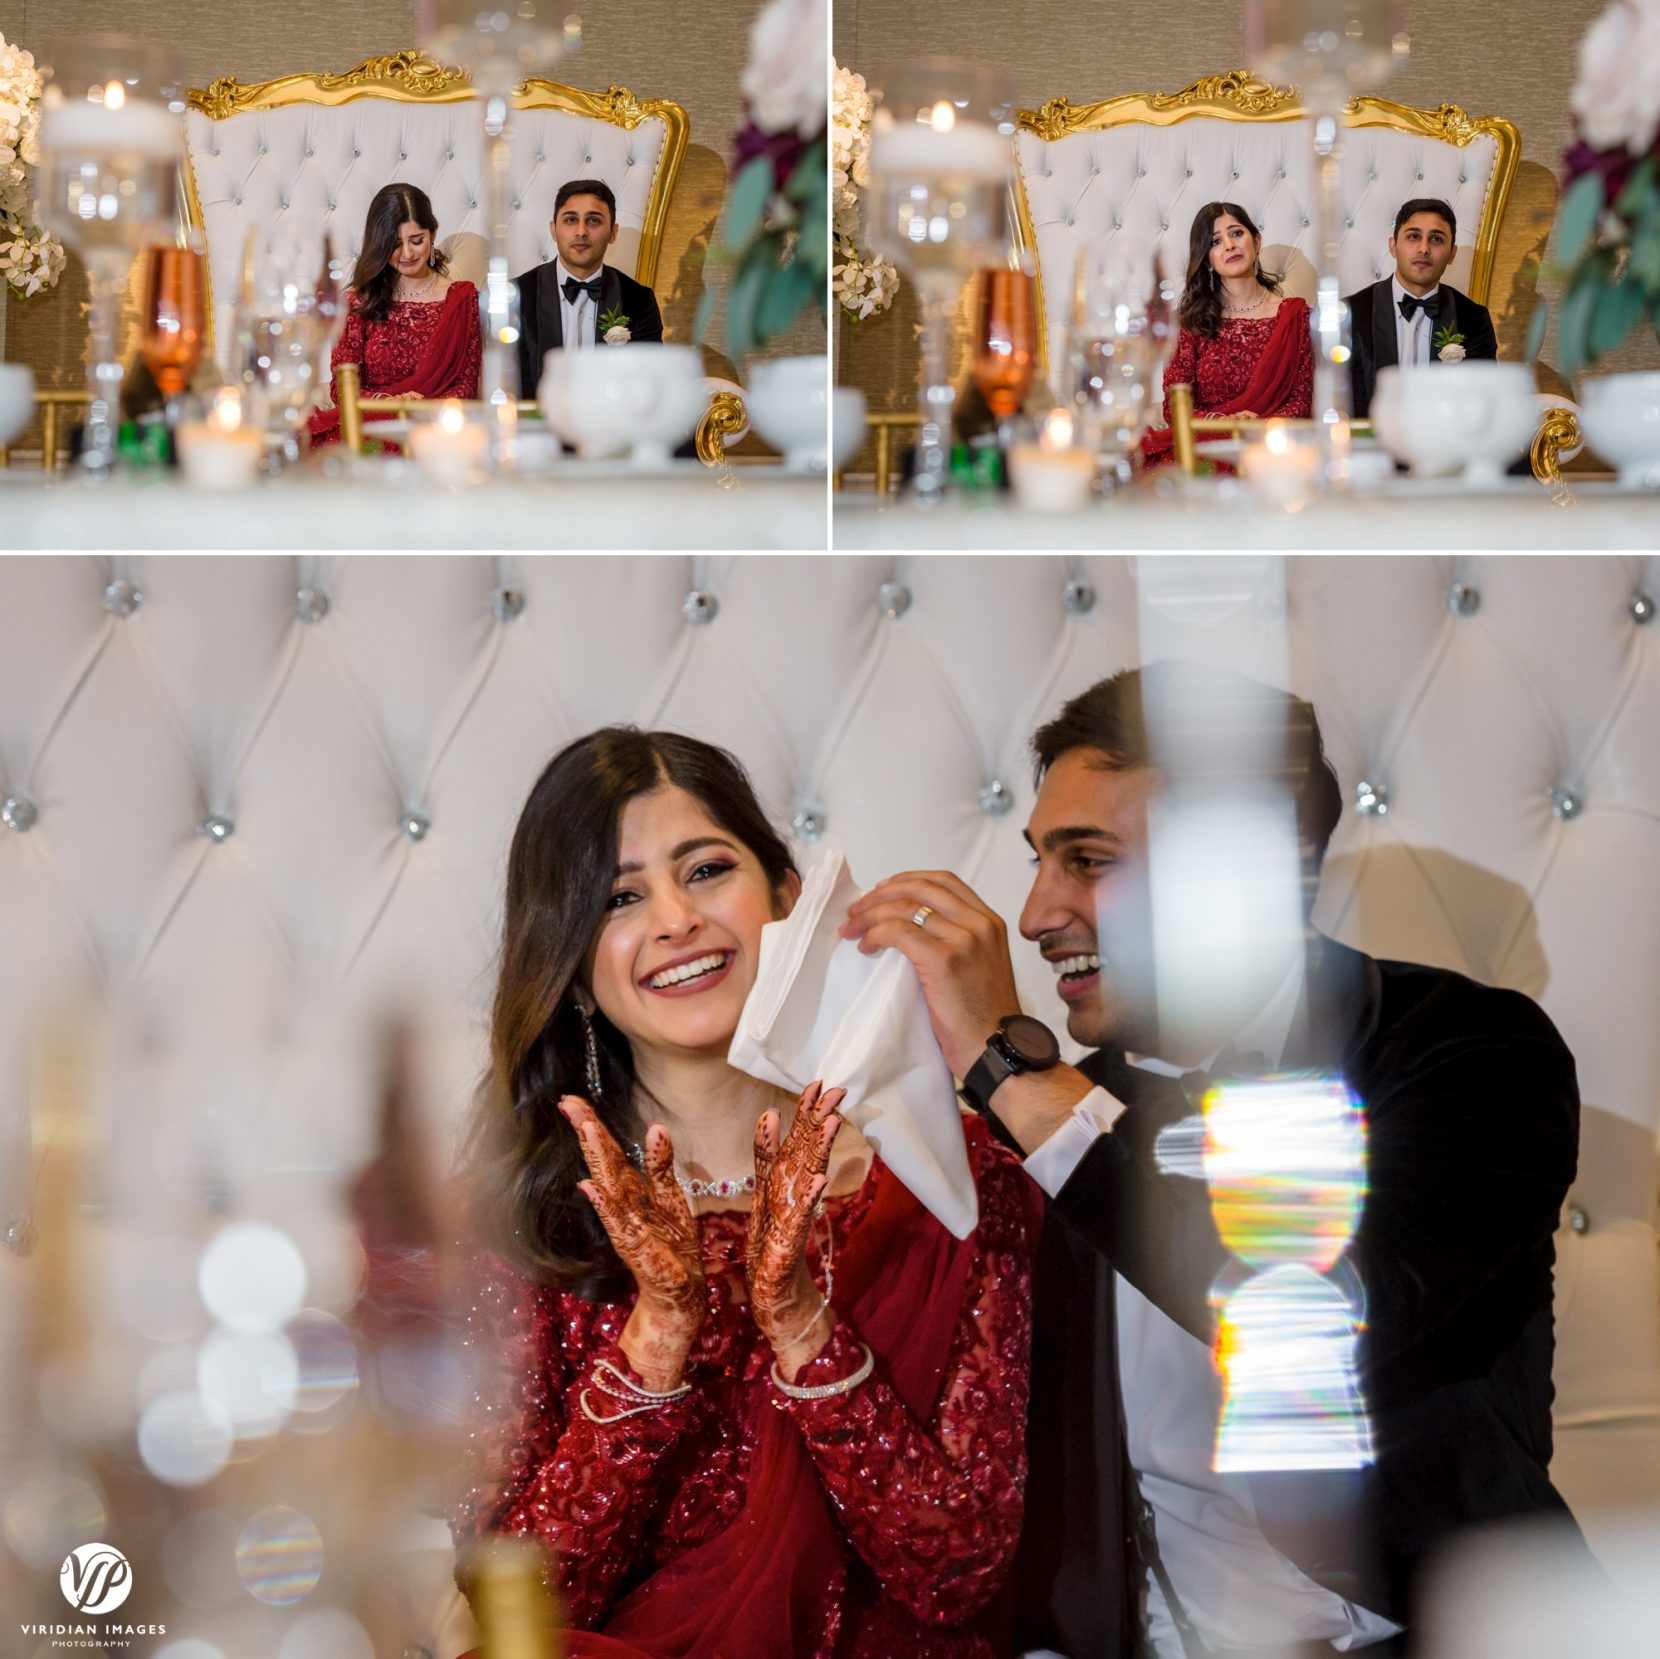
x,y
1019,1044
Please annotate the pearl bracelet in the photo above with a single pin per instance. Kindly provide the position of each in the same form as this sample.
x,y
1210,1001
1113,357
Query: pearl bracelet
x,y
607,1379
825,1391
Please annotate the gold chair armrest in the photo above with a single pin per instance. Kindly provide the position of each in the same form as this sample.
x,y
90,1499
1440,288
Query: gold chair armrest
x,y
724,416
1559,430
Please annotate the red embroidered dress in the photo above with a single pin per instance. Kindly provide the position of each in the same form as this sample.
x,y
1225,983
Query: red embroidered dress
x,y
924,1506
1264,364
430,348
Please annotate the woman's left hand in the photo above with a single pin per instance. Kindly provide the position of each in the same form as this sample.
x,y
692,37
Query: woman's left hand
x,y
789,1181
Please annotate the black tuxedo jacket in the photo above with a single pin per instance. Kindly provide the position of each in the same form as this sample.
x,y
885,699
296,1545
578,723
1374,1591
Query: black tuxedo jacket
x,y
541,319
1472,1111
1372,316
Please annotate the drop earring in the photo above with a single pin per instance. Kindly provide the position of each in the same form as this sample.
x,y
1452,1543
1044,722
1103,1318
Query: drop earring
x,y
590,1055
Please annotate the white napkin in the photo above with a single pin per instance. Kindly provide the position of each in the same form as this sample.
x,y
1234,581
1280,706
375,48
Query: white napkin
x,y
820,1009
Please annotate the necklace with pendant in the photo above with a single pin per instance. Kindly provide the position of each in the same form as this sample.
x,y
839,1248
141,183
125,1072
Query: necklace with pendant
x,y
1245,310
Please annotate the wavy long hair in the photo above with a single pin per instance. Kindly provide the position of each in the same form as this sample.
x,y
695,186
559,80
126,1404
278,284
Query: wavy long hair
x,y
522,1158
373,280
1201,307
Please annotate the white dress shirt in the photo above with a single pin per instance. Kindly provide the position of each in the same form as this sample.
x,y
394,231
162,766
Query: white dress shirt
x,y
1412,339
1238,1590
576,318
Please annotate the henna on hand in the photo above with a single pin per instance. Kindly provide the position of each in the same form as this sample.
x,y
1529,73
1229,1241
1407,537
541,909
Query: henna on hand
x,y
789,1181
650,1225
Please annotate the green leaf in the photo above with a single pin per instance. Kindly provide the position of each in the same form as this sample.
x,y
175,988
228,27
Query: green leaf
x,y
741,300
814,248
1578,217
811,172
1615,315
783,297
1536,330
1639,189
705,310
751,191
1574,326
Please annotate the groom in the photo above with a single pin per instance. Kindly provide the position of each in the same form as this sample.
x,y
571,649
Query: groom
x,y
1412,316
577,300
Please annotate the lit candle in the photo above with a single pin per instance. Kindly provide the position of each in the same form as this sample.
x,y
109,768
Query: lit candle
x,y
1051,476
219,452
448,450
107,122
1282,472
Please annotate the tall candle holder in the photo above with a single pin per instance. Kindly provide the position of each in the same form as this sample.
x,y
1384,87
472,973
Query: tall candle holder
x,y
111,143
1332,50
500,49
941,157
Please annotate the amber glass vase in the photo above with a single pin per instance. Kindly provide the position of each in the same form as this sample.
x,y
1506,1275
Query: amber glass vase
x,y
174,318
1005,343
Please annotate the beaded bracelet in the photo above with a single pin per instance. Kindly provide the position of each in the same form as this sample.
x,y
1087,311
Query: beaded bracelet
x,y
824,1391
650,1399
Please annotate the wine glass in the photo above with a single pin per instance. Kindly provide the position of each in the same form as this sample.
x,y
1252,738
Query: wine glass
x,y
1005,342
111,141
1121,334
174,322
941,156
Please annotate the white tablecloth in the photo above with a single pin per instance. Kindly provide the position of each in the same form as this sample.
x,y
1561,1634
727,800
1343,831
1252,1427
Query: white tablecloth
x,y
599,507
1218,515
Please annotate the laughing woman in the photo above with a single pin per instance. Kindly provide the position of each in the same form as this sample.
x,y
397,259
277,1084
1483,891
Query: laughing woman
x,y
411,329
1244,347
752,1397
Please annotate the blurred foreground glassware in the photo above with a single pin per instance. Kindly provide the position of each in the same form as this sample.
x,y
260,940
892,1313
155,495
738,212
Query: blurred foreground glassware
x,y
1121,335
941,157
500,49
174,319
111,141
1005,345
1331,50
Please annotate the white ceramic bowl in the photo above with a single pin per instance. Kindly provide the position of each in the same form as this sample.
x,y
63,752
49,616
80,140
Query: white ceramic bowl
x,y
1621,417
17,398
847,424
789,405
642,399
1446,418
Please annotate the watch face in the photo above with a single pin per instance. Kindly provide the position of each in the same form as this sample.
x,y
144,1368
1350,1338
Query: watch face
x,y
1031,1040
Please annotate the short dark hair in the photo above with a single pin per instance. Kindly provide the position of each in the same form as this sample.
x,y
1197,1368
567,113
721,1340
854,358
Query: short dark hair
x,y
586,187
1112,717
1425,204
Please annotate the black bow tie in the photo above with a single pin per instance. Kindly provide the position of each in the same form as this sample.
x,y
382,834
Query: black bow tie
x,y
591,289
1430,305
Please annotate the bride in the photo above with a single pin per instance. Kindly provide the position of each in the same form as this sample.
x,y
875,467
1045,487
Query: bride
x,y
752,1397
1244,347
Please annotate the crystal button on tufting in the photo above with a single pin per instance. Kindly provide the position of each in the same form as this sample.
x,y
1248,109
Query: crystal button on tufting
x,y
1464,599
507,602
311,604
414,824
122,597
1078,597
893,599
18,813
1566,803
996,798
807,824
700,607
1371,799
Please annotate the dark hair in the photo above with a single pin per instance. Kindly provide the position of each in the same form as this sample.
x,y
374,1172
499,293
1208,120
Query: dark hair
x,y
1112,717
522,1157
1425,204
1201,307
374,281
586,187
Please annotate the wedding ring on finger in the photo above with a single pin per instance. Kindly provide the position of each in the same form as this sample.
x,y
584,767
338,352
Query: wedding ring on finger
x,y
920,917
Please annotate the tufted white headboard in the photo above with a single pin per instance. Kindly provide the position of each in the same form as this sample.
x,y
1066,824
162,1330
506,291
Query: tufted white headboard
x,y
318,147
260,794
1138,168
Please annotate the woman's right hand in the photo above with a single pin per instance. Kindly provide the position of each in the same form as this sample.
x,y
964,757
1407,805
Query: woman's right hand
x,y
650,1225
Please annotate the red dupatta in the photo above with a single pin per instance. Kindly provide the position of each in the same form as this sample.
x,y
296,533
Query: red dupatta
x,y
445,358
762,1588
1272,381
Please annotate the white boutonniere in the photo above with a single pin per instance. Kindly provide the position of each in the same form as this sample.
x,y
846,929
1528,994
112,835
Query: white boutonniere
x,y
1449,346
614,327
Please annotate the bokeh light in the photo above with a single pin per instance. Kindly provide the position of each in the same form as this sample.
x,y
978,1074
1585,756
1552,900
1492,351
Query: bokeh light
x,y
252,1277
48,1512
181,1441
279,1556
327,1359
326,1633
250,1378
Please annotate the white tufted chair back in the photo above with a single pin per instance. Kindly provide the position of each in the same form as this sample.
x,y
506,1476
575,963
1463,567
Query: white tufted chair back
x,y
318,147
1134,171
366,754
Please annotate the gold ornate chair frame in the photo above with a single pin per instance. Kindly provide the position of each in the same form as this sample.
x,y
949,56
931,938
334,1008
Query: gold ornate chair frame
x,y
413,78
1239,95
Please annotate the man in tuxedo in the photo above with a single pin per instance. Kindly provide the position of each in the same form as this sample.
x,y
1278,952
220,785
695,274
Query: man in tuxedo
x,y
576,300
1134,1542
1399,319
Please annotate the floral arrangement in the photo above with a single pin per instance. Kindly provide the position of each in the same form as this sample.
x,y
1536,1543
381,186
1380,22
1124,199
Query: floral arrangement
x,y
864,282
777,215
1608,231
30,258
